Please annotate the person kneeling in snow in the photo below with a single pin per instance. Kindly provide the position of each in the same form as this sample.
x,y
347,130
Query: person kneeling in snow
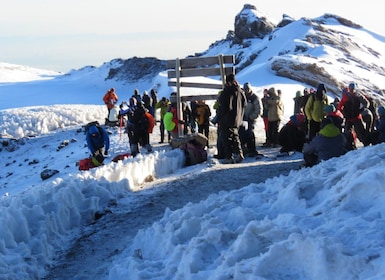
x,y
292,135
98,143
329,142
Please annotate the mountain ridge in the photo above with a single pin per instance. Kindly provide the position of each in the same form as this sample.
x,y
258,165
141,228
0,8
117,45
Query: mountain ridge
x,y
305,51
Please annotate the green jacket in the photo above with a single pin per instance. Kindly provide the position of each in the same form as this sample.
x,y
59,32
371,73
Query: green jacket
x,y
163,108
314,108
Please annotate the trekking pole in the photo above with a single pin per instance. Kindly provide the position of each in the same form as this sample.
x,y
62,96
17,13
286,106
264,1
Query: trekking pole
x,y
120,128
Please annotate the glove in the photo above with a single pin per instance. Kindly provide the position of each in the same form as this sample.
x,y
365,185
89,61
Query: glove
x,y
106,153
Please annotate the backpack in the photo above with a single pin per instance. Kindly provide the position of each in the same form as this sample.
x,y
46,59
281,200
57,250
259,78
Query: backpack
x,y
352,107
151,122
94,123
194,152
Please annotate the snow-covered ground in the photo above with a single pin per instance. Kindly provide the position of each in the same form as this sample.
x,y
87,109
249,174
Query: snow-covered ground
x,y
151,218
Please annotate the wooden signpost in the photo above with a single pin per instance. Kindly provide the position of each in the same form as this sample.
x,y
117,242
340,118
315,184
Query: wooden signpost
x,y
198,67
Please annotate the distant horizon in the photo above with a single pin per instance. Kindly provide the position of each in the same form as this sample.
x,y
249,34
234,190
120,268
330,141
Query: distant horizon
x,y
59,38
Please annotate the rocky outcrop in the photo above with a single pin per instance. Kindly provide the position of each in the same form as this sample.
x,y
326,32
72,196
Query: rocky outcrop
x,y
249,23
136,68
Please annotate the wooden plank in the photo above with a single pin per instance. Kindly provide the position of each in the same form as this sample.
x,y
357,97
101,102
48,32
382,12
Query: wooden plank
x,y
196,85
195,62
204,72
195,97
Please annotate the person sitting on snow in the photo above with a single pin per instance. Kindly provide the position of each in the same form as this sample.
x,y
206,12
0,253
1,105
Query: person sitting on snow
x,y
292,135
329,142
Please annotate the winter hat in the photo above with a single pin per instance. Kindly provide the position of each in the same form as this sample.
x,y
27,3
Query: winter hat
x,y
329,108
272,91
230,78
381,111
298,94
247,86
353,86
136,91
321,88
305,91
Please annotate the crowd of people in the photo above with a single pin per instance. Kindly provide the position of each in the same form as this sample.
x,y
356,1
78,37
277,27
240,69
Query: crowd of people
x,y
318,128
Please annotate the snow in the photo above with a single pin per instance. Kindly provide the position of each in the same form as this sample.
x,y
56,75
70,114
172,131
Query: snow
x,y
151,218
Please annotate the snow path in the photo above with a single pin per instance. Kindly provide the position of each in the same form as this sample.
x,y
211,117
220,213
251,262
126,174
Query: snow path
x,y
108,236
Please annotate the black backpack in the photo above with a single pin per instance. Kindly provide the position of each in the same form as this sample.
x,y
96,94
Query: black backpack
x,y
94,123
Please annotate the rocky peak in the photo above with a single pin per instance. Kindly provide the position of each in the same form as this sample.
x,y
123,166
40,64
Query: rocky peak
x,y
250,23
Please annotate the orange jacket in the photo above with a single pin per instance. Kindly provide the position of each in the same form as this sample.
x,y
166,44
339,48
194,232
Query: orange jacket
x,y
110,98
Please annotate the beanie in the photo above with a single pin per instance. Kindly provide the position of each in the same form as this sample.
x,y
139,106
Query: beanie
x,y
230,78
246,86
329,108
272,91
298,94
321,88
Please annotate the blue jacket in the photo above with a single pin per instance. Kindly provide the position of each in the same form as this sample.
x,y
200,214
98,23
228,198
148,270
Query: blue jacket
x,y
101,140
330,142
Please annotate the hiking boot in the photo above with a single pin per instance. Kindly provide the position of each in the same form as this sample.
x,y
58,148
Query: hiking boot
x,y
227,161
240,158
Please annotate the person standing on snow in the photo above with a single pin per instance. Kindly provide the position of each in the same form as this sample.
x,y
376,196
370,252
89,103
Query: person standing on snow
x,y
314,110
352,104
252,111
110,99
232,102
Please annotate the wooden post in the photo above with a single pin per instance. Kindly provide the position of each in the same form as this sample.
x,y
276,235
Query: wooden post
x,y
222,68
178,98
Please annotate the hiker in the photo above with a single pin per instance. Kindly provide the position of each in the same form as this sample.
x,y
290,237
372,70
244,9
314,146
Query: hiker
x,y
378,134
188,119
154,101
274,115
329,142
232,103
138,130
201,114
351,105
220,146
137,96
171,121
147,101
163,105
98,142
252,111
110,98
331,112
265,115
292,135
314,110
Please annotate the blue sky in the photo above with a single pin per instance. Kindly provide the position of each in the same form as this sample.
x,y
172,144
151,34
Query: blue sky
x,y
63,35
